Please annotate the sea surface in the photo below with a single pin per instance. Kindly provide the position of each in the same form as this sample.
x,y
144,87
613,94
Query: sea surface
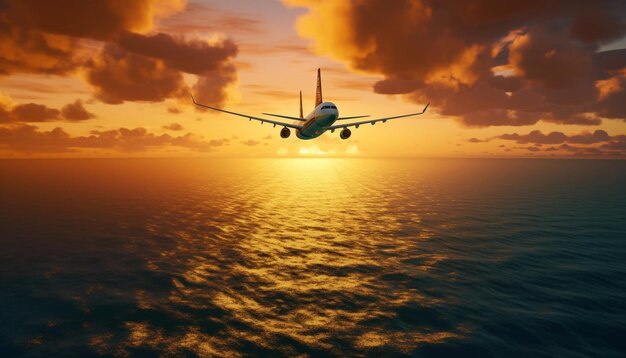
x,y
313,257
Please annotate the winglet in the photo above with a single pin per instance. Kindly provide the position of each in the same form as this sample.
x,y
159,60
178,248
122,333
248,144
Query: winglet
x,y
425,108
193,99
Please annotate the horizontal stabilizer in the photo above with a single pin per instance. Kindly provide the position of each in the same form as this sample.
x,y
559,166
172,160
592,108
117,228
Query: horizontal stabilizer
x,y
283,116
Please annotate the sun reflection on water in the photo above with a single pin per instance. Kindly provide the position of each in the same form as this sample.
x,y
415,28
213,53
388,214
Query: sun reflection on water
x,y
284,254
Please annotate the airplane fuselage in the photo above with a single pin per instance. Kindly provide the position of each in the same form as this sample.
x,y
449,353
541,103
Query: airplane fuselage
x,y
318,121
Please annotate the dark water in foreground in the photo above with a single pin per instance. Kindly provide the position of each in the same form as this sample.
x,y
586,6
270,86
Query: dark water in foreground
x,y
434,258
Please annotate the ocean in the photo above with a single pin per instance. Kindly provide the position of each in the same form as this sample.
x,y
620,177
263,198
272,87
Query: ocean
x,y
313,257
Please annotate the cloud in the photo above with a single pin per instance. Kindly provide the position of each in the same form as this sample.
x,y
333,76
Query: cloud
x,y
150,67
597,136
42,36
118,76
173,127
315,150
190,56
174,110
30,51
617,143
61,37
250,142
537,137
28,138
597,143
34,112
76,112
484,62
95,19
211,87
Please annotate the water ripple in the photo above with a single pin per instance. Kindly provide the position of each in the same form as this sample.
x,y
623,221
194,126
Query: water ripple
x,y
314,257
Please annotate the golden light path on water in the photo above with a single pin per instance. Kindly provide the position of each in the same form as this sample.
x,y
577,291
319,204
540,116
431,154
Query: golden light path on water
x,y
316,253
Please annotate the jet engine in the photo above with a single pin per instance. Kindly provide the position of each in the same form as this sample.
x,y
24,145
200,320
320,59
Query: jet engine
x,y
345,133
285,132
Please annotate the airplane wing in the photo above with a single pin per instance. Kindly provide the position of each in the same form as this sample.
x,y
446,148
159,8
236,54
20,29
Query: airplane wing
x,y
304,120
286,117
374,121
262,120
353,117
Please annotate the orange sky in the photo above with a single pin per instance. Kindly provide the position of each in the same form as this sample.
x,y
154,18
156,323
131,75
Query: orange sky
x,y
519,78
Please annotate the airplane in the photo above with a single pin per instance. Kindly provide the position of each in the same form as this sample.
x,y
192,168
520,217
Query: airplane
x,y
320,120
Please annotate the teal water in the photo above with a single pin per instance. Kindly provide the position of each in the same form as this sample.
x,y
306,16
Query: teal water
x,y
318,257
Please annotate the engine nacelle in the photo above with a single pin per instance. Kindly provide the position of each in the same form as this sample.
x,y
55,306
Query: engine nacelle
x,y
345,133
285,132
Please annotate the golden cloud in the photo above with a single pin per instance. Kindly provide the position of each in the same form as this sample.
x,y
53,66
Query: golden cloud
x,y
507,62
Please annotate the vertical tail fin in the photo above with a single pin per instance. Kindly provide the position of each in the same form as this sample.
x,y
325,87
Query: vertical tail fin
x,y
301,114
318,92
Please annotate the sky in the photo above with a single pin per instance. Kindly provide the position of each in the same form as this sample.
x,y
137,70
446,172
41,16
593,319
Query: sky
x,y
112,78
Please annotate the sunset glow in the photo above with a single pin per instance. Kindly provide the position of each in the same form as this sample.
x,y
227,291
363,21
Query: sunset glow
x,y
106,78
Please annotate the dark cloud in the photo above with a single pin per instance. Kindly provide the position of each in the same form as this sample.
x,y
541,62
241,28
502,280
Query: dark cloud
x,y
537,137
34,112
28,138
190,56
485,62
173,127
118,76
593,25
76,112
616,143
597,136
597,143
42,36
601,151
25,50
96,19
211,87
